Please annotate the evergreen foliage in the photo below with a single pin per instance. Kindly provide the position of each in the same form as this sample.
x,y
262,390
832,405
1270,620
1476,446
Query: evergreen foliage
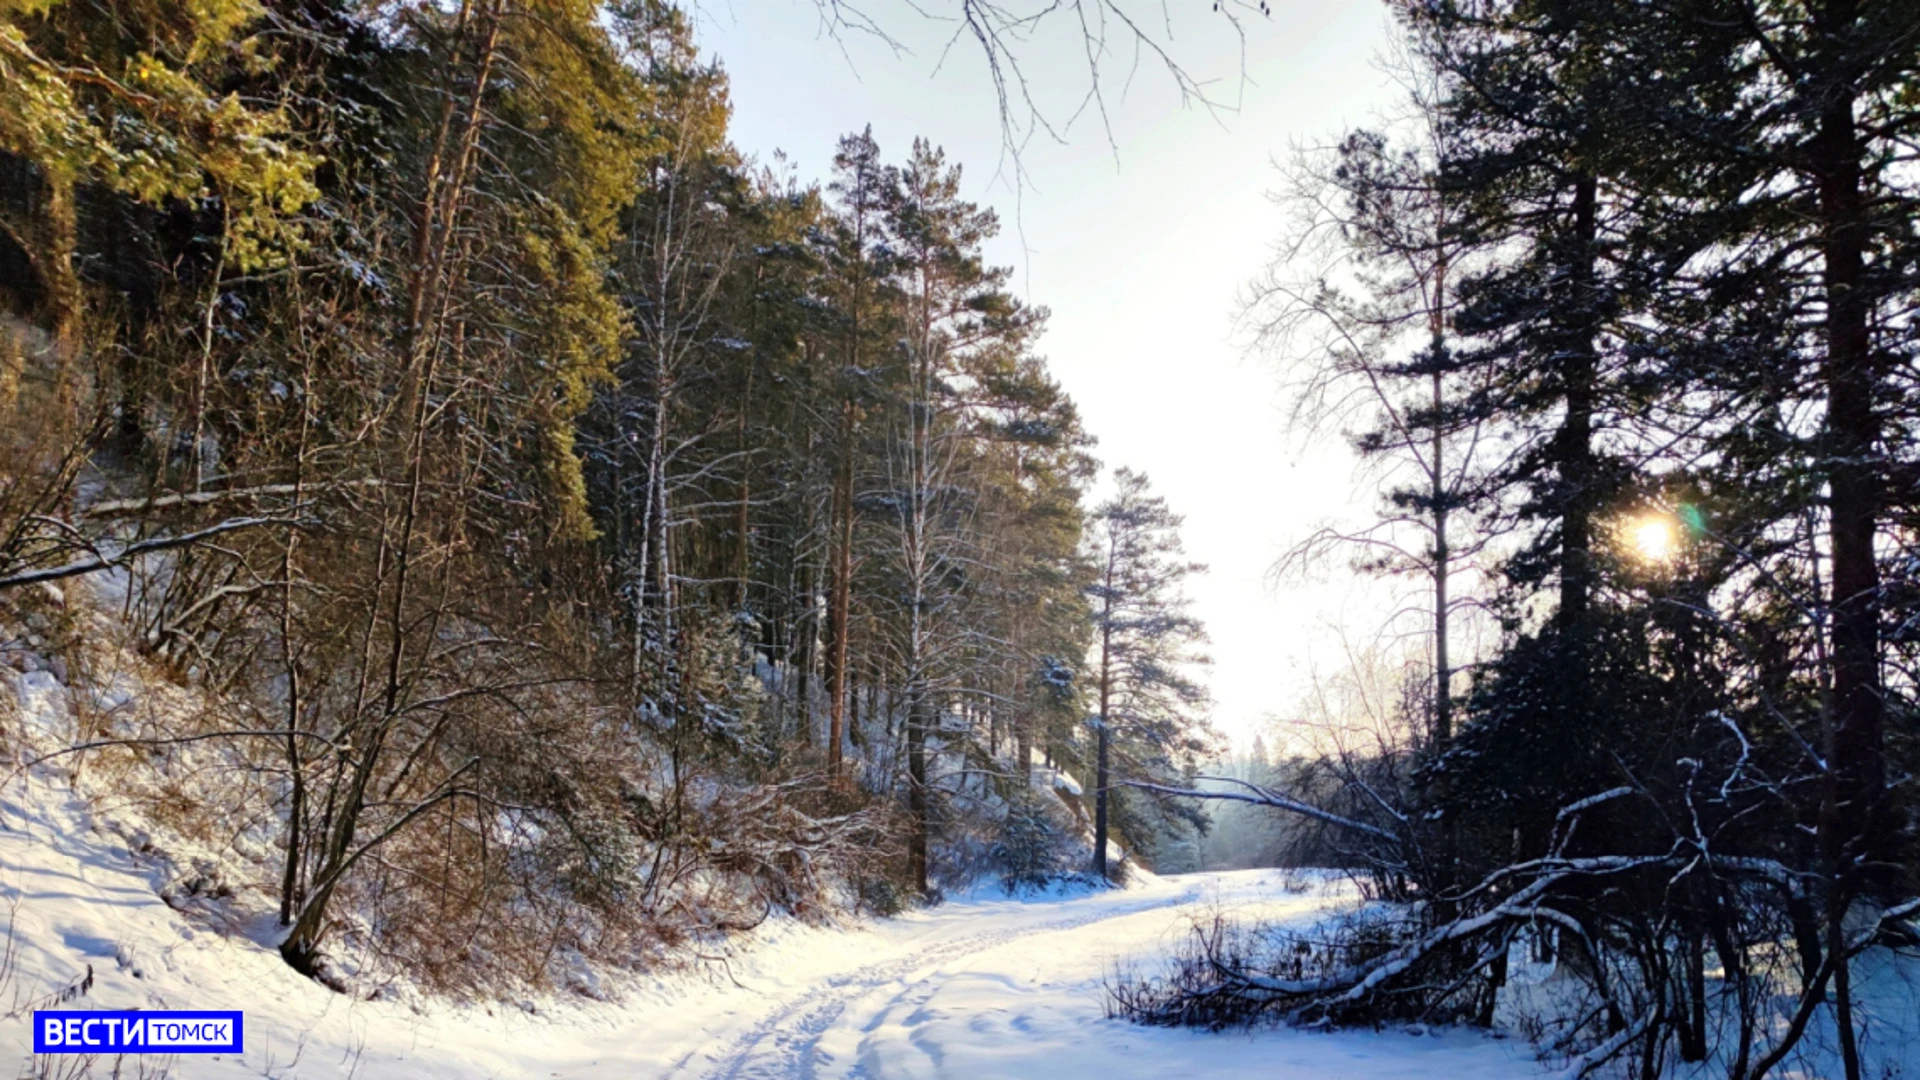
x,y
1149,720
1663,401
606,538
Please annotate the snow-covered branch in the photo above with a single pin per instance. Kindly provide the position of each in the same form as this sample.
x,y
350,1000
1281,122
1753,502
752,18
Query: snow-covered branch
x,y
1260,796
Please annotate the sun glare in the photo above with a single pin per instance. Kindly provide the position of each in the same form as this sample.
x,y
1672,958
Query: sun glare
x,y
1655,539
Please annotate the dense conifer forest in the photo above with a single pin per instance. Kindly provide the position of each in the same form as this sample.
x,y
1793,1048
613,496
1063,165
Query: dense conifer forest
x,y
1621,307
570,537
578,530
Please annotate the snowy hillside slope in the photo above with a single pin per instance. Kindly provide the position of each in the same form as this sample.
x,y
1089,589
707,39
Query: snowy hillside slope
x,y
122,886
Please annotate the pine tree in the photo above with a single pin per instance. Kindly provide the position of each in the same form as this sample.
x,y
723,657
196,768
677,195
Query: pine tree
x,y
1150,712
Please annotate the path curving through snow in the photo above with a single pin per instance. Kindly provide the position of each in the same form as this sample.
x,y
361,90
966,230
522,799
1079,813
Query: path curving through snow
x,y
979,988
994,987
816,1026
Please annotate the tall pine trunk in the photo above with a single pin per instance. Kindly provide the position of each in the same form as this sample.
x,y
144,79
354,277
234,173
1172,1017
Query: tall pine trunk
x,y
1852,436
1102,739
840,599
1851,442
1579,369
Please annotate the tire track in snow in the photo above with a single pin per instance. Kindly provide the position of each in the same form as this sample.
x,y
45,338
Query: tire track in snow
x,y
785,1043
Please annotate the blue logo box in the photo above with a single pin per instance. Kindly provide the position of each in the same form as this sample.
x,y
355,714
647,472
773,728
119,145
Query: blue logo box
x,y
138,1031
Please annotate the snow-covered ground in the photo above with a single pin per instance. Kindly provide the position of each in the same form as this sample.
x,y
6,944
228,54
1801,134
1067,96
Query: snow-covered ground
x,y
115,892
983,986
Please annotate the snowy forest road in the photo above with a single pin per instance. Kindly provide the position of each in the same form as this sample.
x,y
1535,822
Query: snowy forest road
x,y
788,1040
993,987
978,988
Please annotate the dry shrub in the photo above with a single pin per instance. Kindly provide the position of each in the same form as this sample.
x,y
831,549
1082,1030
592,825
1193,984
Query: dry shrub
x,y
1204,982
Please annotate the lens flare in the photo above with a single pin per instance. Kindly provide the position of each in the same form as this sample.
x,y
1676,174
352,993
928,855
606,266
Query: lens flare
x,y
1655,539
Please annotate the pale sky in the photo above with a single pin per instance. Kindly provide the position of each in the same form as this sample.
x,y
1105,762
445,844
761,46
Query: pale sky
x,y
1140,246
